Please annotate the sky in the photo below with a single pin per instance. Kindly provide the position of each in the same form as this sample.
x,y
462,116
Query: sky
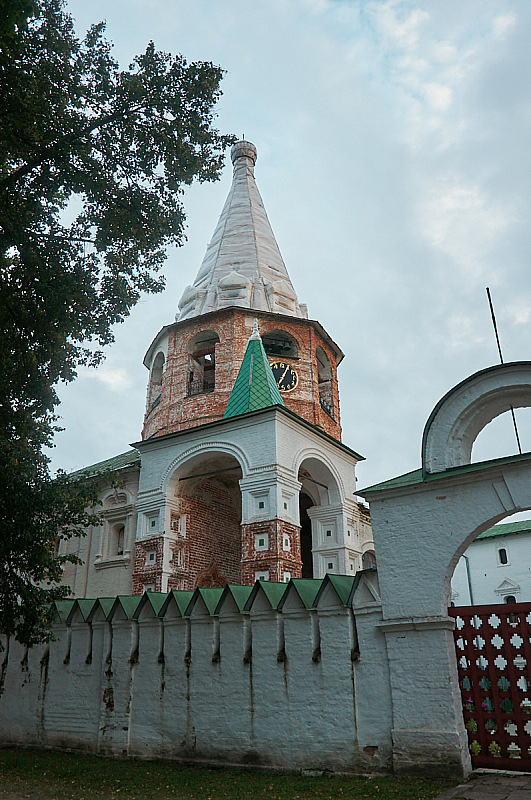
x,y
394,162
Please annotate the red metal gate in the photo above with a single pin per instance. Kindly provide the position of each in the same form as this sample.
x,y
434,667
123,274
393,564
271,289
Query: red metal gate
x,y
493,646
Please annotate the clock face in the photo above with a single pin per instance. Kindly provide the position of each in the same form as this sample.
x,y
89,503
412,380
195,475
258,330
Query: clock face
x,y
285,376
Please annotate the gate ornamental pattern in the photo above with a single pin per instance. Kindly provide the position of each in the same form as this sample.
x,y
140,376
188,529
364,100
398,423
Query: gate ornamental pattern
x,y
493,645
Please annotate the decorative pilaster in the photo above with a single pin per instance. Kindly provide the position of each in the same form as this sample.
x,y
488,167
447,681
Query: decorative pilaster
x,y
271,550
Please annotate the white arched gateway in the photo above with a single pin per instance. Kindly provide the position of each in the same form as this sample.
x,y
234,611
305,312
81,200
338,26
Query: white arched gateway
x,y
422,523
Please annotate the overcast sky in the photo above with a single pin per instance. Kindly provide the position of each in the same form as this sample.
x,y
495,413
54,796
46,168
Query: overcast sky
x,y
394,161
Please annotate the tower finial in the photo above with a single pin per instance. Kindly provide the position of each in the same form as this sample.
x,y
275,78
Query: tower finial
x,y
256,333
245,150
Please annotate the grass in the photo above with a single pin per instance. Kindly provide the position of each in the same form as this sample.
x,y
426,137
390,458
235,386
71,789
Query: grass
x,y
43,775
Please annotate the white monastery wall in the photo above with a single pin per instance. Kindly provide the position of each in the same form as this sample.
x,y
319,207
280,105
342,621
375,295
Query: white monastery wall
x,y
296,688
491,580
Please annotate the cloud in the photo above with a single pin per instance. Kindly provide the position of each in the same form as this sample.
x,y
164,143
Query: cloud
x,y
115,378
462,221
502,24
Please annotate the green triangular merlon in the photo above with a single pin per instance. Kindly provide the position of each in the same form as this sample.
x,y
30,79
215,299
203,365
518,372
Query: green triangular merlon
x,y
255,386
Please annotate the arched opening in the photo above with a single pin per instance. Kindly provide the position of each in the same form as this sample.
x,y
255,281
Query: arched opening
x,y
324,378
202,363
498,438
368,560
494,566
306,502
280,343
155,381
320,520
204,500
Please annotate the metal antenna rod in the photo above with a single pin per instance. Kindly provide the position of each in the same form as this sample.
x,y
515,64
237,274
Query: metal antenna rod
x,y
501,360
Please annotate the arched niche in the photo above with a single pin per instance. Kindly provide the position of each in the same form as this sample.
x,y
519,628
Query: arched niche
x,y
155,380
204,516
465,410
279,344
324,380
201,376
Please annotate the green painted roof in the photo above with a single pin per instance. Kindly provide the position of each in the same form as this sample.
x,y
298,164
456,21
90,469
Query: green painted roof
x,y
63,608
106,604
343,585
129,604
85,606
109,465
210,595
273,591
506,529
255,386
415,477
240,595
155,599
182,599
306,588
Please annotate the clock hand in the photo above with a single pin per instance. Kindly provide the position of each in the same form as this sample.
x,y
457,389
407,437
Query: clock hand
x,y
282,376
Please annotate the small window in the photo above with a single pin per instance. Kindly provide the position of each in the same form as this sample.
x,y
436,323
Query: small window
x,y
261,504
329,533
285,505
261,542
368,560
509,599
330,565
153,523
151,557
120,537
502,556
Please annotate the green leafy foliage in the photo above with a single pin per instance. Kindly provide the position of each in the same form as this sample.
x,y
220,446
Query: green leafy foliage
x,y
93,164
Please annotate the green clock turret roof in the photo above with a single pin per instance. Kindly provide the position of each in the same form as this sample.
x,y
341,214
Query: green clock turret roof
x,y
255,386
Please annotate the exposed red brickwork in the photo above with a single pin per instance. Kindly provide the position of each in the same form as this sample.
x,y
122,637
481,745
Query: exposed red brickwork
x,y
144,573
210,555
275,559
176,410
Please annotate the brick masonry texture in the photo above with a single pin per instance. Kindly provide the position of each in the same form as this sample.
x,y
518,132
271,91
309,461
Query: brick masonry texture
x,y
145,574
275,560
177,411
213,541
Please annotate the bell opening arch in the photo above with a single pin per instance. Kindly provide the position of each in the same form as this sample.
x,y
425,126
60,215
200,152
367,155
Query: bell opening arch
x,y
203,515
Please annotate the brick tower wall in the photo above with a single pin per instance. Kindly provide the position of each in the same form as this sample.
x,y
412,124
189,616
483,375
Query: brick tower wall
x,y
176,410
275,560
210,554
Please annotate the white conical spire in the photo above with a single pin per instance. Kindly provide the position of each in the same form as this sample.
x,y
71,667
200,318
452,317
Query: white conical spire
x,y
242,265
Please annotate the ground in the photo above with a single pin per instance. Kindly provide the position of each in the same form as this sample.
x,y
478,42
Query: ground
x,y
43,775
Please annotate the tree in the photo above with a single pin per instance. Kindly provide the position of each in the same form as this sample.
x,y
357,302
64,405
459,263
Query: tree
x,y
109,150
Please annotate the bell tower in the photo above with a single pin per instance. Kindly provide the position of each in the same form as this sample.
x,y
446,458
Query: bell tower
x,y
193,363
243,474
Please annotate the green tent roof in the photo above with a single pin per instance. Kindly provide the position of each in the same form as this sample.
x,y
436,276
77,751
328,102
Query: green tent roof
x,y
255,387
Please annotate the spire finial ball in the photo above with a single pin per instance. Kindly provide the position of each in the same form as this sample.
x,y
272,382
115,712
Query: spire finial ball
x,y
245,150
